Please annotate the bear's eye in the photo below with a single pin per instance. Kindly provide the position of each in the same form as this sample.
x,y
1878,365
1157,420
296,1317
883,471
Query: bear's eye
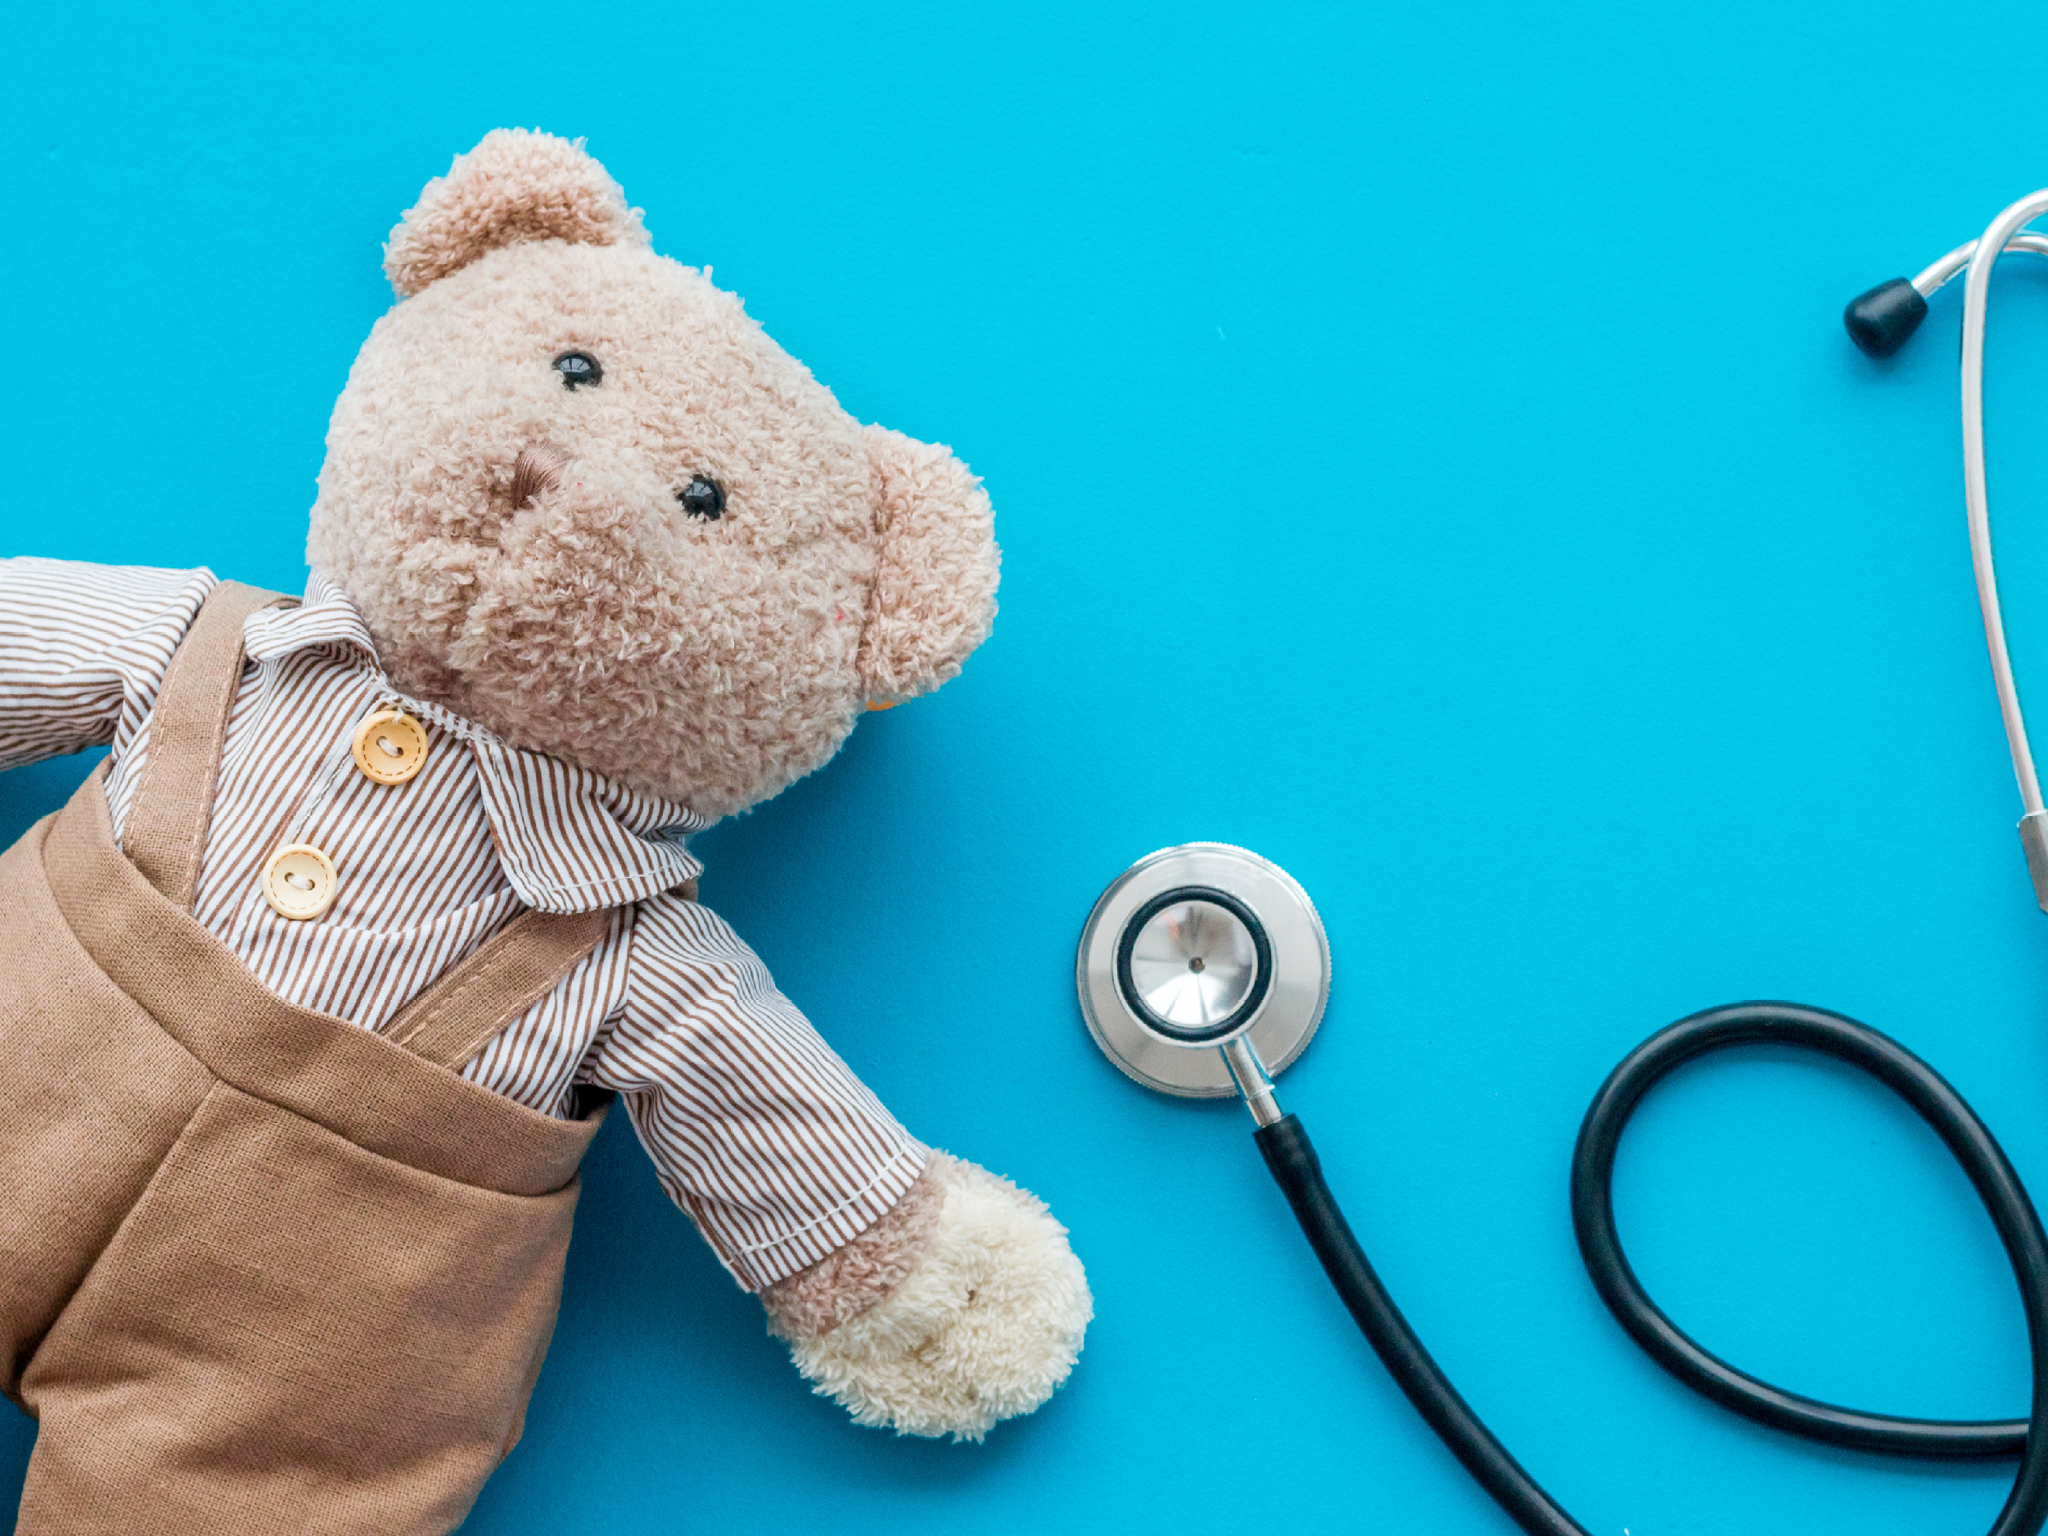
x,y
702,497
579,368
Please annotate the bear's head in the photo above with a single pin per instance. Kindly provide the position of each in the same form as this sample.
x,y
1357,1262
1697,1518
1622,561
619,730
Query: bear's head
x,y
582,499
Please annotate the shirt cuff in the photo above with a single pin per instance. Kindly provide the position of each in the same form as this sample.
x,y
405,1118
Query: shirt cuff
x,y
761,1265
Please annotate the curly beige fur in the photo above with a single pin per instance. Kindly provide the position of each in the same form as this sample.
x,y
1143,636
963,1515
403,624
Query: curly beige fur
x,y
513,187
935,587
712,661
986,1324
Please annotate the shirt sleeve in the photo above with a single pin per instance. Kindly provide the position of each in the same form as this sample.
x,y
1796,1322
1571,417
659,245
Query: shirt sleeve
x,y
765,1137
83,650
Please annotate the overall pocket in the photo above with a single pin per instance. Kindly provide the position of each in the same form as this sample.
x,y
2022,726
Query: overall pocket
x,y
293,1334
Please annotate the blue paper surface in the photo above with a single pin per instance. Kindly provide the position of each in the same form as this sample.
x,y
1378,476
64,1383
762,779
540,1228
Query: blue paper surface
x,y
1425,451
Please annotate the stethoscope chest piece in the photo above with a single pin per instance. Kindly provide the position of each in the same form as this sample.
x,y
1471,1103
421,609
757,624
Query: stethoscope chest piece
x,y
1192,948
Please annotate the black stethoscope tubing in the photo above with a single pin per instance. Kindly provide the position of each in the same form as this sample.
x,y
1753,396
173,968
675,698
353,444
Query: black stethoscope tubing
x,y
1292,1159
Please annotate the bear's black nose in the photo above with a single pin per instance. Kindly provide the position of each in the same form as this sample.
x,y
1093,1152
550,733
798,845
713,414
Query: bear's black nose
x,y
702,497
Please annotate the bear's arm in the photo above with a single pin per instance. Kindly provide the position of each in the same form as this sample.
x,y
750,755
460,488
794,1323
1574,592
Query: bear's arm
x,y
83,650
756,1128
921,1292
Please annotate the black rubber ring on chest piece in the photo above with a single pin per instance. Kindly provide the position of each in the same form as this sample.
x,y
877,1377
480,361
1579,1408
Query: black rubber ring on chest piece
x,y
1262,973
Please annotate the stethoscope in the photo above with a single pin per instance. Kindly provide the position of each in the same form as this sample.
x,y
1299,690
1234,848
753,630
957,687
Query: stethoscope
x,y
1204,970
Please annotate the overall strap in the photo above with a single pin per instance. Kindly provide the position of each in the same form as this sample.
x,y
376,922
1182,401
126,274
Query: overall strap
x,y
165,838
165,833
470,1003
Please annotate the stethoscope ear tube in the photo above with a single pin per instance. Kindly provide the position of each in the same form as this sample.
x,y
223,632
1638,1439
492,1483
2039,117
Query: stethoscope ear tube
x,y
1880,322
1292,1160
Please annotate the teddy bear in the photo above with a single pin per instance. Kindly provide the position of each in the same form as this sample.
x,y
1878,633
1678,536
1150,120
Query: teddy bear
x,y
382,899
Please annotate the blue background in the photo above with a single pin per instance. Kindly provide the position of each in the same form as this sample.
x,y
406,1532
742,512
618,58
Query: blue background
x,y
1425,451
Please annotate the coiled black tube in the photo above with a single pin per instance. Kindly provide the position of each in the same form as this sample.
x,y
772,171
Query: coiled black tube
x,y
1292,1160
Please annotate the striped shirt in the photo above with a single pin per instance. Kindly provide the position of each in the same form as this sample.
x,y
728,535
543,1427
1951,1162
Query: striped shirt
x,y
756,1129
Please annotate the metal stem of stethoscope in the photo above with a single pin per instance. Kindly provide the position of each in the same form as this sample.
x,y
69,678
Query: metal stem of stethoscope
x,y
1880,322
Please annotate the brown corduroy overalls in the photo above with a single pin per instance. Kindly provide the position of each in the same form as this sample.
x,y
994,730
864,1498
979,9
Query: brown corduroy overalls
x,y
261,1271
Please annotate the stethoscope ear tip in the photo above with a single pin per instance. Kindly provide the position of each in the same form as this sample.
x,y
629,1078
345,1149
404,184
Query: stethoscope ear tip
x,y
1882,320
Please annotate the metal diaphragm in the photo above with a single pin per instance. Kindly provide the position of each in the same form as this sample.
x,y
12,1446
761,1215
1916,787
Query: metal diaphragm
x,y
1192,947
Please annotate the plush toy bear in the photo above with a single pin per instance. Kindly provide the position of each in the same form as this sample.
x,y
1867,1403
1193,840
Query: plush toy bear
x,y
315,993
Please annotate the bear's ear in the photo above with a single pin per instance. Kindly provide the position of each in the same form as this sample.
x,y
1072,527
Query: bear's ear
x,y
513,187
935,578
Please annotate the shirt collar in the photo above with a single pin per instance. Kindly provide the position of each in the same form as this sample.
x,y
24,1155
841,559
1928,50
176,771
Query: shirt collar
x,y
326,617
568,839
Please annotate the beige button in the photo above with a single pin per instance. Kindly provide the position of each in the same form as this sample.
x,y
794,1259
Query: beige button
x,y
299,882
390,746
